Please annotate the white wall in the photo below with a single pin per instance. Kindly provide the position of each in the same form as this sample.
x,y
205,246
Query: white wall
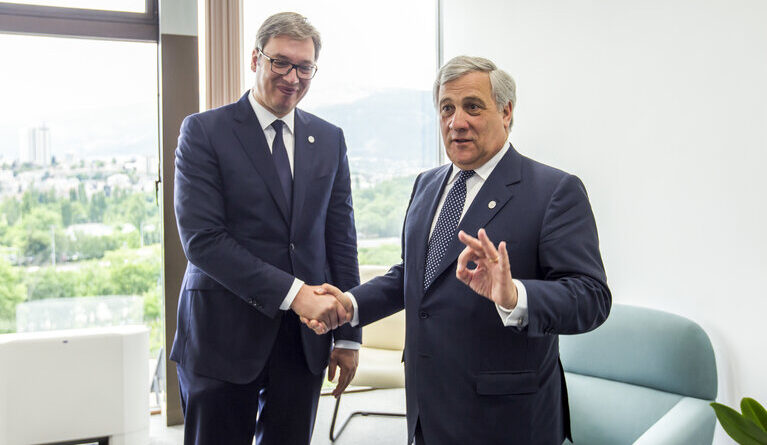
x,y
660,106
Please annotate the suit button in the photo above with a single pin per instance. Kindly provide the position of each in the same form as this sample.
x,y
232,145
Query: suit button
x,y
292,246
423,315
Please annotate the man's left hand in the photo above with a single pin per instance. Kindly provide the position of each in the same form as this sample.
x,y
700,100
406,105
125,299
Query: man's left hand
x,y
347,360
492,276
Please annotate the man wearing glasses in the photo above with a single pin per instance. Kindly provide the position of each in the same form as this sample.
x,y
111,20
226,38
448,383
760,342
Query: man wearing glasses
x,y
264,211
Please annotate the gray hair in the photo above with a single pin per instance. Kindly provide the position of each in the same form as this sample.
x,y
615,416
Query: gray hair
x,y
290,24
502,85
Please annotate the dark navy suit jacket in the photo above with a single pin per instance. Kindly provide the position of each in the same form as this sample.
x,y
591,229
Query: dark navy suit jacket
x,y
244,244
470,379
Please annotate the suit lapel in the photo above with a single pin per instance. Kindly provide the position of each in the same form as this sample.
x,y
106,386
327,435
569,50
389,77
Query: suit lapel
x,y
423,214
303,163
253,142
492,197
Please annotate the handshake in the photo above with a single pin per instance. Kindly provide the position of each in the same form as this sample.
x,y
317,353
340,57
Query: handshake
x,y
322,308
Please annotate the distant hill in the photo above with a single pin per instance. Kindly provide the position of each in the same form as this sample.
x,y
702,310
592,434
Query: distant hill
x,y
387,125
391,124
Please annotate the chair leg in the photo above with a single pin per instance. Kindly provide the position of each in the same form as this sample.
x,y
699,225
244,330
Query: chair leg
x,y
334,437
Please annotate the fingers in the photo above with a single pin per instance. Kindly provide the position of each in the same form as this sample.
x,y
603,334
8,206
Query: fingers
x,y
470,241
333,315
342,314
330,289
332,368
487,246
319,328
343,381
462,271
347,313
346,302
504,257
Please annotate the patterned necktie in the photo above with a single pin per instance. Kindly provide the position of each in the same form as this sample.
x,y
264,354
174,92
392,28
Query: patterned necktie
x,y
446,228
281,162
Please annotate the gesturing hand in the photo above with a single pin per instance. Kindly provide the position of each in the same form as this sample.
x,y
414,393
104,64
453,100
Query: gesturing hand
x,y
492,276
347,360
320,326
312,305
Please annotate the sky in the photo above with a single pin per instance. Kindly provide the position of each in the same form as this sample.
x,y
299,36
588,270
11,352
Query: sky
x,y
99,97
89,92
358,56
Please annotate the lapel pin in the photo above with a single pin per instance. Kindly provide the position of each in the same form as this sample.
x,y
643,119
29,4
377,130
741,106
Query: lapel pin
x,y
491,205
310,139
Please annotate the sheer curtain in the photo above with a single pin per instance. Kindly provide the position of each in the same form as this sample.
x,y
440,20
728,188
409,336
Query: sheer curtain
x,y
223,37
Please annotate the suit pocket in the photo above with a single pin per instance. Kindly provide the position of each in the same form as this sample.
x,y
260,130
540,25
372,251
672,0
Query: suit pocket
x,y
199,281
507,383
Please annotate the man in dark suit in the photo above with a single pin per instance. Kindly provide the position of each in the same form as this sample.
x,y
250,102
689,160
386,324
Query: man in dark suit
x,y
264,210
481,351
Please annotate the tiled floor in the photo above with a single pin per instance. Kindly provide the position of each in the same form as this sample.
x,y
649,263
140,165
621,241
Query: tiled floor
x,y
361,430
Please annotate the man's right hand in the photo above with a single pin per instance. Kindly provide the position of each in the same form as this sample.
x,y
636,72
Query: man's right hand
x,y
314,303
320,326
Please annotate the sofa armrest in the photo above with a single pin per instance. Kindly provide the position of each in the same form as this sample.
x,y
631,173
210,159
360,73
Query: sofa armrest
x,y
689,421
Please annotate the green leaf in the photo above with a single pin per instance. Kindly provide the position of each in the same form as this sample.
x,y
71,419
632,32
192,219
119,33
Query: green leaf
x,y
754,411
741,429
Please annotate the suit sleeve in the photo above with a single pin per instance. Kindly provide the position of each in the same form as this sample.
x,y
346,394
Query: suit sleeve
x,y
199,203
341,239
571,295
384,295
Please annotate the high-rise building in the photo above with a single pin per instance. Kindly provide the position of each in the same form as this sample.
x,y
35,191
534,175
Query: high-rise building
x,y
35,145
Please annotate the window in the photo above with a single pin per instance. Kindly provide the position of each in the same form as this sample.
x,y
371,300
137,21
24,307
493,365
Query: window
x,y
102,5
79,225
376,69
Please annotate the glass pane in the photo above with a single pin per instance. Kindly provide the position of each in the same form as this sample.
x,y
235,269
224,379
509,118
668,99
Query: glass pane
x,y
102,5
374,81
79,227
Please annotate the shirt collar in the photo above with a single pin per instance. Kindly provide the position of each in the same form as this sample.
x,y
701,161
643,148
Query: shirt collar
x,y
485,169
265,117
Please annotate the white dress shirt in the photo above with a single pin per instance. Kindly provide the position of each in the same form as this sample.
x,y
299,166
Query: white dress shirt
x,y
265,118
509,317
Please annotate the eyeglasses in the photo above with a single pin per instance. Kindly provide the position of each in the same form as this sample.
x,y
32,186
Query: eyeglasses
x,y
283,67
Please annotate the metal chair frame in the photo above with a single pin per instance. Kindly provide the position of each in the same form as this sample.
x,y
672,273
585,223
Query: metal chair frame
x,y
334,437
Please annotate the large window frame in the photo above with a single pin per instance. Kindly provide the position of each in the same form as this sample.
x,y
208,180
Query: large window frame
x,y
177,53
76,22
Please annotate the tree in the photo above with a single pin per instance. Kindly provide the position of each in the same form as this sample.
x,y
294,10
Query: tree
x,y
52,283
379,210
11,210
12,292
98,207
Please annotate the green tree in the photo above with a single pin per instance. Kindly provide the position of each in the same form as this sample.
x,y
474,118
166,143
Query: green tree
x,y
12,292
66,213
10,210
49,282
379,210
98,207
383,255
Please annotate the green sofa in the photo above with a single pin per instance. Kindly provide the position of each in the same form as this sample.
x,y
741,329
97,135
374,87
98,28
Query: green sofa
x,y
643,377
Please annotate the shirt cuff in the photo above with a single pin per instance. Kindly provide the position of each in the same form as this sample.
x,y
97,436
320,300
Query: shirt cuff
x,y
518,316
291,294
346,344
356,317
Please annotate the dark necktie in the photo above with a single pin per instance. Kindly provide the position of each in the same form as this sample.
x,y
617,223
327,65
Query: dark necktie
x,y
446,228
281,162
